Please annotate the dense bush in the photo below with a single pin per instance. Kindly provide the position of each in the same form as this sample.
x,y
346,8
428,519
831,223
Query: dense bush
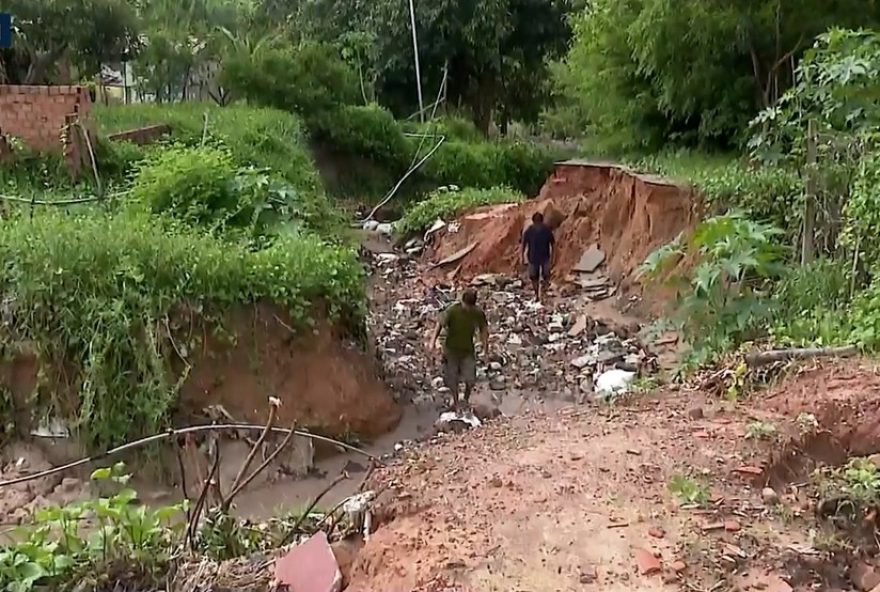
x,y
370,132
309,80
446,203
641,74
488,164
97,292
192,184
769,194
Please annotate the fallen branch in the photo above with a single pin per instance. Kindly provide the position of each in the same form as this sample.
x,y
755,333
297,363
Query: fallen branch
x,y
808,353
229,427
236,490
203,496
273,411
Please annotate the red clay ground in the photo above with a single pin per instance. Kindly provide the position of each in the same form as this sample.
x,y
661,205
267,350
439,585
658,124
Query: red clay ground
x,y
580,500
627,214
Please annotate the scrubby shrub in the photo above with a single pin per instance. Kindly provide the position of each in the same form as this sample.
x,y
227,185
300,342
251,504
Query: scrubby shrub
x,y
488,164
367,131
97,293
191,184
202,186
309,80
452,127
446,203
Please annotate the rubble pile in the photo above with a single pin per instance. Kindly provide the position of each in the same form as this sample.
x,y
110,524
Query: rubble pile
x,y
552,352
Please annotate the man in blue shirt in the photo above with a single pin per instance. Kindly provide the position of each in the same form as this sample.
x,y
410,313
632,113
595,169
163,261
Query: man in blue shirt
x,y
538,246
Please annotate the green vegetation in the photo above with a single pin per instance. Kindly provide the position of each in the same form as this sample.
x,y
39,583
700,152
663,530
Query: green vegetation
x,y
100,291
93,542
261,138
447,202
688,490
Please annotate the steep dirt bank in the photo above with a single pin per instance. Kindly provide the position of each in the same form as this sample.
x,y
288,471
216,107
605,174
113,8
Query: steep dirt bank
x,y
325,382
627,214
665,493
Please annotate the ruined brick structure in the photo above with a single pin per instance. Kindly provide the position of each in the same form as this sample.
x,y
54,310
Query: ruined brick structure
x,y
48,119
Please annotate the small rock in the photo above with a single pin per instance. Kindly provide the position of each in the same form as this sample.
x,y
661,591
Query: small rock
x,y
582,362
498,383
770,497
696,413
579,326
657,533
588,576
496,482
679,566
495,366
69,484
646,563
864,576
732,526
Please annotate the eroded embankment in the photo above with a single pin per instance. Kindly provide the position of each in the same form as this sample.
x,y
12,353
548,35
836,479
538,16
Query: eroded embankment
x,y
324,381
627,214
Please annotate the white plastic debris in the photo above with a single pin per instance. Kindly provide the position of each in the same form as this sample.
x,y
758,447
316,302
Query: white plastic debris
x,y
437,226
468,418
614,382
385,228
53,428
371,225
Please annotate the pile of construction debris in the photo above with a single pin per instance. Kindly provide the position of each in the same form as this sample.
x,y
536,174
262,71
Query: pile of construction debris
x,y
549,352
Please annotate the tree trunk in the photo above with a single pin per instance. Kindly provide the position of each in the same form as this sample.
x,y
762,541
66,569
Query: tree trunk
x,y
808,252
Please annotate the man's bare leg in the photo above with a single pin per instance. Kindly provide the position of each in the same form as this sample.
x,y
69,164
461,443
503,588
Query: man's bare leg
x,y
536,286
456,405
468,387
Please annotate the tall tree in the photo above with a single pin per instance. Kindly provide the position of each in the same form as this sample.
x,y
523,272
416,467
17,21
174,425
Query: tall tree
x,y
495,51
84,33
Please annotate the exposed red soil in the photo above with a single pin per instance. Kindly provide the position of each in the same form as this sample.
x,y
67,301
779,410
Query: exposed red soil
x,y
627,214
571,501
323,382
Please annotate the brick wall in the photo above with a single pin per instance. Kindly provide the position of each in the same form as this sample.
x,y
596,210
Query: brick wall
x,y
142,135
37,115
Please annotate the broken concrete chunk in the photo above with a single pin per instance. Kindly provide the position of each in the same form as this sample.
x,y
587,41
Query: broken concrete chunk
x,y
583,361
592,258
310,567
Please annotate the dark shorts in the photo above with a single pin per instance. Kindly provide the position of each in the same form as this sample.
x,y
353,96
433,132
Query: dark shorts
x,y
458,369
539,271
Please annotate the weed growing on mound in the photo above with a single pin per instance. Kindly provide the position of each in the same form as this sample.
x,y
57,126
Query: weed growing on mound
x,y
446,203
98,293
262,138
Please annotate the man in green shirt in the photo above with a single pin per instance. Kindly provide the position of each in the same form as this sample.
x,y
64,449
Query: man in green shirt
x,y
461,320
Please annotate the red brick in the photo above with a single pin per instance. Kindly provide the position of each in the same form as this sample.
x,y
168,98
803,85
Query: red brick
x,y
310,567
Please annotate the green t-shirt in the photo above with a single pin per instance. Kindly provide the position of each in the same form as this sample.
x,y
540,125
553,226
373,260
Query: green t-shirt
x,y
461,324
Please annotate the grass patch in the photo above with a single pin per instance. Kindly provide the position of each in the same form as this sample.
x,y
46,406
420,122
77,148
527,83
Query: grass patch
x,y
447,203
258,137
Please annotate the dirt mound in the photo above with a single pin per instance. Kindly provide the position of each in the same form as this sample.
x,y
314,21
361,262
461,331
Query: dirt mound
x,y
627,214
842,397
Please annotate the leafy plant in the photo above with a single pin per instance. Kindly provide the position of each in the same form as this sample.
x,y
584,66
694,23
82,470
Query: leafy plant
x,y
88,539
446,203
689,490
761,430
854,487
724,300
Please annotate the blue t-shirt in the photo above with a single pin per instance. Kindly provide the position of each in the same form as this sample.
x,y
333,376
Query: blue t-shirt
x,y
538,239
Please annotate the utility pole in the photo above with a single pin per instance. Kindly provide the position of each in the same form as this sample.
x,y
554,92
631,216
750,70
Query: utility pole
x,y
412,18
